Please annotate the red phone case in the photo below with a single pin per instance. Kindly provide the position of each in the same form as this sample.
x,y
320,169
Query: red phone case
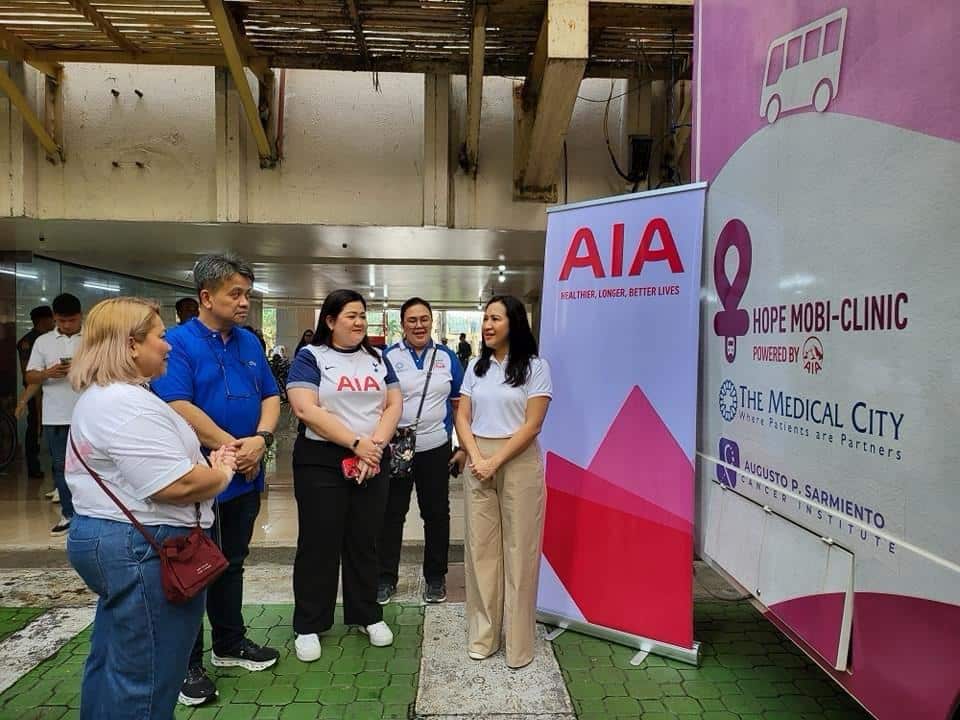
x,y
351,467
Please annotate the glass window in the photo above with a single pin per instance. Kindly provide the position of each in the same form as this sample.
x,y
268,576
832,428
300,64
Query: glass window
x,y
811,45
775,68
793,52
831,38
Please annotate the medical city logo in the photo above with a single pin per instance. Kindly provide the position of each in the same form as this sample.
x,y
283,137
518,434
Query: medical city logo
x,y
728,400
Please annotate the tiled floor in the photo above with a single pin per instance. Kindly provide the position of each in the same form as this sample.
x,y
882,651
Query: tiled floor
x,y
351,680
14,619
748,671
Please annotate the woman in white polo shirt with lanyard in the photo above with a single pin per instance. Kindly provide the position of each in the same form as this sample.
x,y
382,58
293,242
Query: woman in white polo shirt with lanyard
x,y
348,400
504,400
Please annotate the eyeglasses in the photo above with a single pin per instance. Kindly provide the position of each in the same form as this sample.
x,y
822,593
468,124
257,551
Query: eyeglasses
x,y
418,321
240,390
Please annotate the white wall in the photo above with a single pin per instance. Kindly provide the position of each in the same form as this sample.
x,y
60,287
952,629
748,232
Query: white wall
x,y
170,130
352,155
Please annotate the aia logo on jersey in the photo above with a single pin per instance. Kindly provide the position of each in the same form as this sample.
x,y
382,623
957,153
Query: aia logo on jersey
x,y
365,384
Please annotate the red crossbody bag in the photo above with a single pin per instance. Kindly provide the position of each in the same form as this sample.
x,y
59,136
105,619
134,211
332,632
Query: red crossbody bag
x,y
187,563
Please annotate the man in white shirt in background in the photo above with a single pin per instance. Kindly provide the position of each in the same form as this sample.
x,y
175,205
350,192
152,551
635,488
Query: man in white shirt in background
x,y
48,366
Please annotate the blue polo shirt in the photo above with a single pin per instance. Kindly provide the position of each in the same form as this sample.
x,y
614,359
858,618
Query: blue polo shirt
x,y
227,380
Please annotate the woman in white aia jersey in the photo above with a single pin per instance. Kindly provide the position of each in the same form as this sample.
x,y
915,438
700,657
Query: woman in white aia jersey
x,y
348,401
503,402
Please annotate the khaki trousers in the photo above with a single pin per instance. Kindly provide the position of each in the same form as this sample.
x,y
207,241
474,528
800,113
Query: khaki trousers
x,y
504,536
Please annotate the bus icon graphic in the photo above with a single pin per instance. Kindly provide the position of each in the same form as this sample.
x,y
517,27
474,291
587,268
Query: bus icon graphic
x,y
803,67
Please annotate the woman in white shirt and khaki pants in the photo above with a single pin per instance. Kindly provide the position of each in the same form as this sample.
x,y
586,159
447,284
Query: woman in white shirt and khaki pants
x,y
504,400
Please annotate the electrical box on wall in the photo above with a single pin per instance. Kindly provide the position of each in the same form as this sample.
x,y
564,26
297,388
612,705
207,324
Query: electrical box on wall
x,y
640,148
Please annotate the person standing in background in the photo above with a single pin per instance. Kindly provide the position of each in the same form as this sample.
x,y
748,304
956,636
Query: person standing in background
x,y
48,366
464,351
430,407
219,381
42,319
187,309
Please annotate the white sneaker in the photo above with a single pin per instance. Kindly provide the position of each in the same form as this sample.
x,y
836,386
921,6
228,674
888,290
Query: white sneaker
x,y
308,647
379,633
52,494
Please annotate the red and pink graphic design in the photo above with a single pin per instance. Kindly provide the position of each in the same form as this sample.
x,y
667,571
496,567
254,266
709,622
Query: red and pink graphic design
x,y
654,594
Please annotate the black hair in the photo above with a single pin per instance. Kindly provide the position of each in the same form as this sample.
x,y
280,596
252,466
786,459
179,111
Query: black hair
x,y
523,345
463,336
332,306
66,304
410,303
303,340
182,302
39,313
259,335
211,271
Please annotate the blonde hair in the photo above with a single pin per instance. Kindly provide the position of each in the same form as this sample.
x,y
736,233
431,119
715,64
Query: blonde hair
x,y
104,356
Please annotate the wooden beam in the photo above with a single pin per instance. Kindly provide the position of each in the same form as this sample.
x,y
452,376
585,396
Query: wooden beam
x,y
544,104
53,111
625,68
352,8
20,102
17,49
678,3
103,25
470,152
225,28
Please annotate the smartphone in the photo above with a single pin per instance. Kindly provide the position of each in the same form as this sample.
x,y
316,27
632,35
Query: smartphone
x,y
454,469
351,467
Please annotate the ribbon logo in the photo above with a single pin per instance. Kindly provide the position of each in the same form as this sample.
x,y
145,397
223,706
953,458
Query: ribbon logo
x,y
732,322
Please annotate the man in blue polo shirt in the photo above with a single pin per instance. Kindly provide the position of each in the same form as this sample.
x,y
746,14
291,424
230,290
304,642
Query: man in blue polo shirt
x,y
219,380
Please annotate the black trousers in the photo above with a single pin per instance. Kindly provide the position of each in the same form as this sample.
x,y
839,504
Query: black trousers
x,y
233,528
432,479
339,522
31,442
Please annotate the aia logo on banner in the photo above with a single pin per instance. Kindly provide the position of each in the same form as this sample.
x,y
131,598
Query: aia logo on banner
x,y
365,384
732,322
729,453
583,251
813,355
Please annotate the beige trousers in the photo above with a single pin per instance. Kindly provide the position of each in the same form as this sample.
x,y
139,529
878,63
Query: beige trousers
x,y
504,536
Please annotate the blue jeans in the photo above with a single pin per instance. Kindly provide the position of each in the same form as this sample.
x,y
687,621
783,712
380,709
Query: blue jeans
x,y
57,443
141,642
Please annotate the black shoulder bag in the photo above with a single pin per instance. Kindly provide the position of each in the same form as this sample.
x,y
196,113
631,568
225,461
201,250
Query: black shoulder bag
x,y
403,446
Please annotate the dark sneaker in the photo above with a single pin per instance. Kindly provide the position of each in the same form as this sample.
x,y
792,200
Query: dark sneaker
x,y
61,528
197,688
436,591
385,592
247,655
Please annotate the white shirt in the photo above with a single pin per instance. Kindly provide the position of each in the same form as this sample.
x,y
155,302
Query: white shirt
x,y
138,445
436,420
58,396
351,385
499,409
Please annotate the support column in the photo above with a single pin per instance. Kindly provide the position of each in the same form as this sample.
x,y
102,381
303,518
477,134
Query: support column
x,y
436,150
231,150
23,147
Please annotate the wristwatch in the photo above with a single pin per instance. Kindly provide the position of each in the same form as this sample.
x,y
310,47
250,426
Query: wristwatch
x,y
267,437
356,442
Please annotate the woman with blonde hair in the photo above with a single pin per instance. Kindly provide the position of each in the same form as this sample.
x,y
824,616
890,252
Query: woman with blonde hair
x,y
150,459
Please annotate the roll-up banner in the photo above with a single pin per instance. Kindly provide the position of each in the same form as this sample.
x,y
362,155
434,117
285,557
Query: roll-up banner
x,y
619,326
